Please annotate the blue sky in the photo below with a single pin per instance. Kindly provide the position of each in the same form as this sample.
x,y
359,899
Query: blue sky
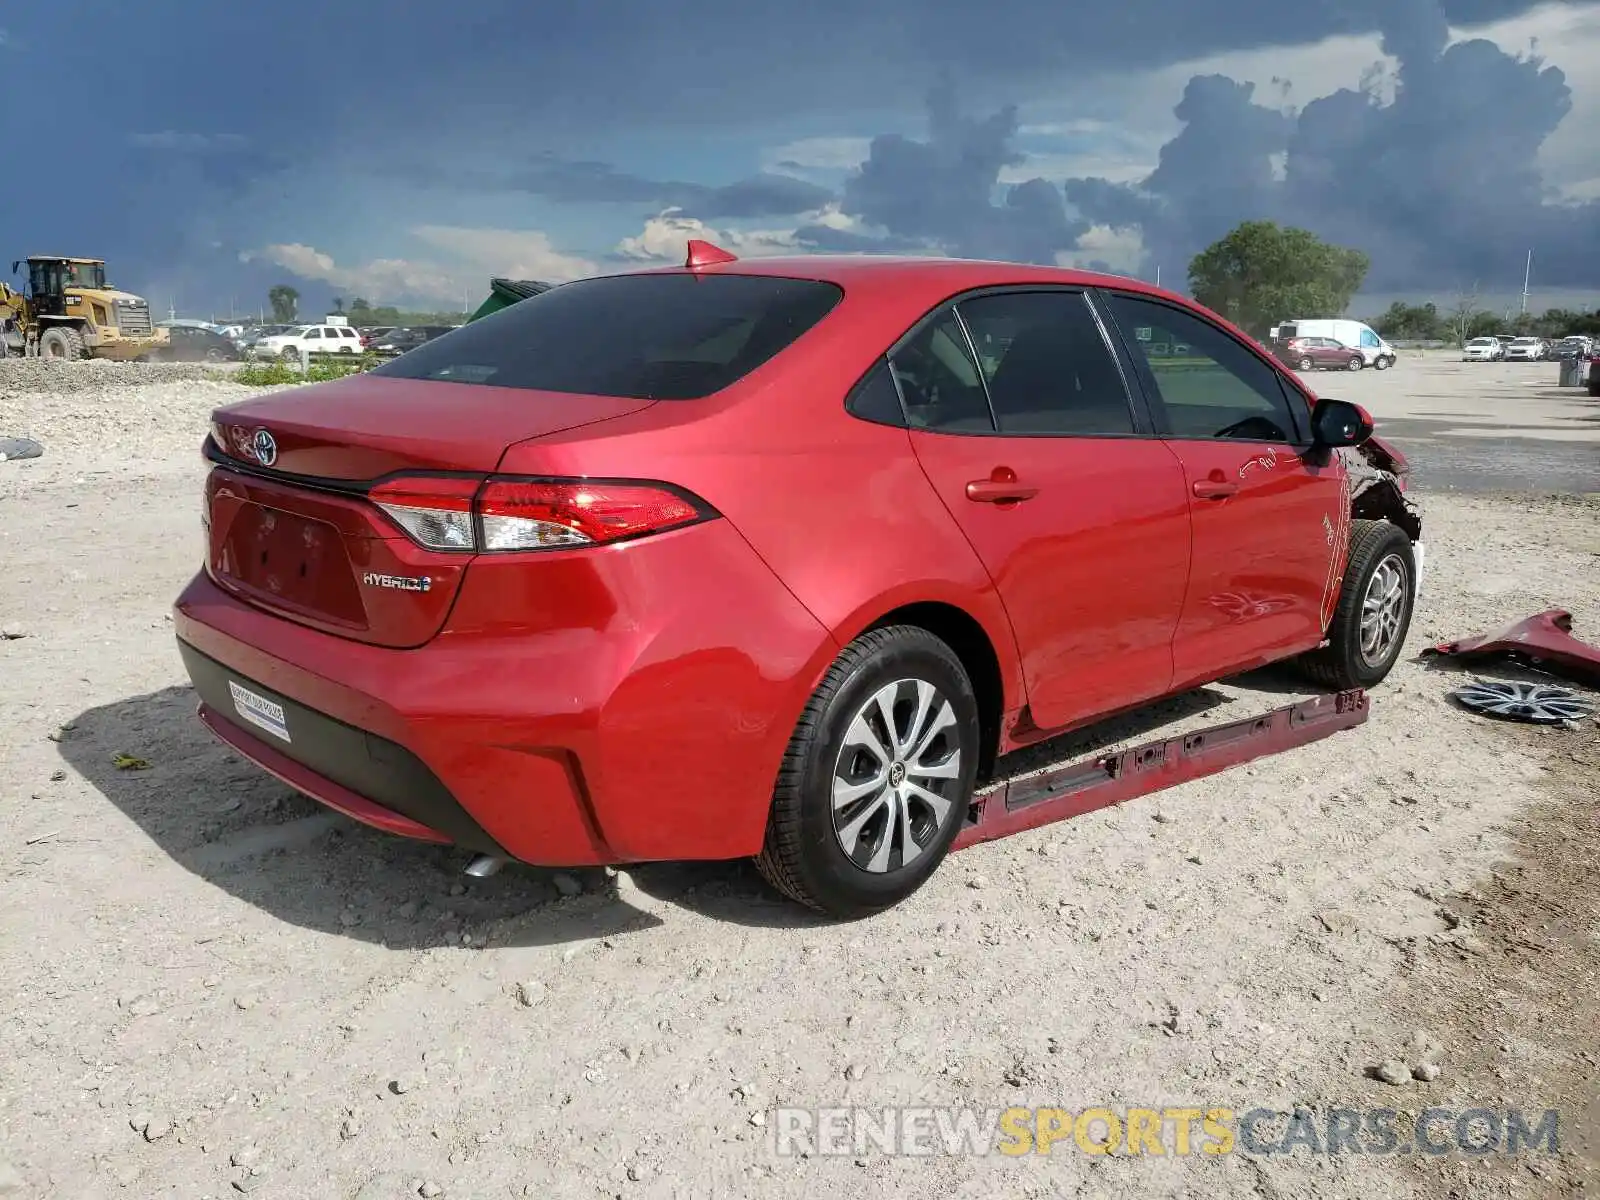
x,y
407,154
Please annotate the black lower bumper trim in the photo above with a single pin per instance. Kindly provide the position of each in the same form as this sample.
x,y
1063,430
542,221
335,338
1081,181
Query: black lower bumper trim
x,y
370,766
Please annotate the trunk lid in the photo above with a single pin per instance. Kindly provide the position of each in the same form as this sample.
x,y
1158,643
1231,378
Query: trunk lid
x,y
289,527
366,426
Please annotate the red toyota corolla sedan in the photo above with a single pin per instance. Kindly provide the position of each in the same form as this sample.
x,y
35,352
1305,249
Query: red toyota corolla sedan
x,y
773,558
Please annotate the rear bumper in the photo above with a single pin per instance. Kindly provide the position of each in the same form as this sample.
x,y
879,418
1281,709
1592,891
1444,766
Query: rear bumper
x,y
652,736
371,779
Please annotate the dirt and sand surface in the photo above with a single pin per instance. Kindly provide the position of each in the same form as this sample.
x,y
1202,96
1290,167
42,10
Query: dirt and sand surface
x,y
211,987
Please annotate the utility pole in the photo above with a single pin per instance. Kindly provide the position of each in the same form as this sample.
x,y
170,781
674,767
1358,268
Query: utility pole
x,y
1527,274
1158,274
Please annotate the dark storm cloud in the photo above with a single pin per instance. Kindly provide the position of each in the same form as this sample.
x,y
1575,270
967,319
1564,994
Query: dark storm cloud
x,y
595,182
1440,187
497,81
939,193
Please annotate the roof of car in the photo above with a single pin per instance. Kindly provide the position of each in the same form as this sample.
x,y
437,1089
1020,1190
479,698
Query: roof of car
x,y
946,274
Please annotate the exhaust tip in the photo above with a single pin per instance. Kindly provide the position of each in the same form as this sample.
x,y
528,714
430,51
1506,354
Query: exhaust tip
x,y
484,865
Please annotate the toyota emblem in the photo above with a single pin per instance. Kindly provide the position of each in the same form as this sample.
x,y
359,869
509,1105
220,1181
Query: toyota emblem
x,y
265,448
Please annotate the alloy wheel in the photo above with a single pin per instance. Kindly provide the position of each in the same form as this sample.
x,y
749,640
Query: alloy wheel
x,y
896,775
1383,609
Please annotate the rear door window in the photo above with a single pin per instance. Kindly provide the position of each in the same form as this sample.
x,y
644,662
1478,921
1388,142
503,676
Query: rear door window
x,y
1047,365
938,381
669,336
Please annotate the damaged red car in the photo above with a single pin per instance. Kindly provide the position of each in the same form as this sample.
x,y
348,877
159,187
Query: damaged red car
x,y
773,559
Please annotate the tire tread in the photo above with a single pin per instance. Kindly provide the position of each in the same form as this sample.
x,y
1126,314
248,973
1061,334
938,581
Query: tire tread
x,y
779,859
1326,666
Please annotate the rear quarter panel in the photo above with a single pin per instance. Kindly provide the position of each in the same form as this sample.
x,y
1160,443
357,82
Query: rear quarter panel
x,y
837,507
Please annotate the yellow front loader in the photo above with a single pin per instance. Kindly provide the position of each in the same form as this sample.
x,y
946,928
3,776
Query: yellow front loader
x,y
68,311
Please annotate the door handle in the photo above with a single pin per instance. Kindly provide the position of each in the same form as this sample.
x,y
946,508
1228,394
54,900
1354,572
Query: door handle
x,y
999,491
1214,489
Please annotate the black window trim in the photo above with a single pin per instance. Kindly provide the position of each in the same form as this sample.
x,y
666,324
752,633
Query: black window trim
x,y
1145,426
1301,434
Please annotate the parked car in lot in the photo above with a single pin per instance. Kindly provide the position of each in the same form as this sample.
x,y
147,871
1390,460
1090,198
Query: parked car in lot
x,y
398,341
1483,349
1358,335
773,558
193,344
1594,377
1312,353
318,339
1525,349
1576,346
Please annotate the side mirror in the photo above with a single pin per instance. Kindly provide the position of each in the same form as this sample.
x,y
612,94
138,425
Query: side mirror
x,y
1339,423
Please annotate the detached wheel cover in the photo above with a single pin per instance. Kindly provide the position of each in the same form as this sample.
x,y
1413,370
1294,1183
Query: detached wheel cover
x,y
1535,703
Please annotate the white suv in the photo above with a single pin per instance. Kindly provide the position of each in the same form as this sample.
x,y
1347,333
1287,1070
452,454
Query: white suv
x,y
1527,349
1483,349
318,339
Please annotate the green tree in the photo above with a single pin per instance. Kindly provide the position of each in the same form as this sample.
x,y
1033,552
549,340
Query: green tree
x,y
1418,322
360,310
338,304
284,300
1263,273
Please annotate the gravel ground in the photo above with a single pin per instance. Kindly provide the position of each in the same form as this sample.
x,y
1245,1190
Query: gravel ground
x,y
209,986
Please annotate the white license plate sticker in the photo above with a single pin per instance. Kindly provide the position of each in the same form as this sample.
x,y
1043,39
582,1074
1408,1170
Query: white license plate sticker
x,y
259,711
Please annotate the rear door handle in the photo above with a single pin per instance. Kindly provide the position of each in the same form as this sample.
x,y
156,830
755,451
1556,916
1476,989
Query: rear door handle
x,y
999,491
1214,489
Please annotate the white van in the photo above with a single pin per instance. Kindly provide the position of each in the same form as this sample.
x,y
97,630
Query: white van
x,y
1358,335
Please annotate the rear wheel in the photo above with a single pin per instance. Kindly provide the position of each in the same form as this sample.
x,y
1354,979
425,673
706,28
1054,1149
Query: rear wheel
x,y
61,343
1306,364
1372,619
877,778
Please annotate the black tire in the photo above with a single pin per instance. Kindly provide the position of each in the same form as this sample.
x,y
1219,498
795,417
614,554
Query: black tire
x,y
804,856
61,342
1306,364
1357,362
1384,362
1342,664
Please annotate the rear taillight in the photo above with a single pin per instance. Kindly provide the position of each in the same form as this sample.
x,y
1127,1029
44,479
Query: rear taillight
x,y
434,512
540,514
504,514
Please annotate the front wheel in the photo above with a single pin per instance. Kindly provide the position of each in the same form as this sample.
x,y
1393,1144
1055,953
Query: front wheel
x,y
62,342
1384,362
877,778
1374,612
1357,362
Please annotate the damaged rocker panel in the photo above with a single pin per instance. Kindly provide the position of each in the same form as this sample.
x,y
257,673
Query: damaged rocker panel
x,y
1076,788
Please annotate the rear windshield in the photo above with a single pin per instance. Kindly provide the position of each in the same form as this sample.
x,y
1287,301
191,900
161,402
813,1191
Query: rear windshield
x,y
646,336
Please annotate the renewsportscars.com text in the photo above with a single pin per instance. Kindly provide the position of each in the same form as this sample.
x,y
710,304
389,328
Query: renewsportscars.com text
x,y
1162,1131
